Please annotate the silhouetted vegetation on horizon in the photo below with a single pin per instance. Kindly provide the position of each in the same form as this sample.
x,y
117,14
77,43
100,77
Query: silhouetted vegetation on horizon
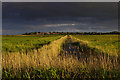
x,y
75,33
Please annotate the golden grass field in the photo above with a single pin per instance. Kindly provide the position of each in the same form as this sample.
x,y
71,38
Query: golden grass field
x,y
66,57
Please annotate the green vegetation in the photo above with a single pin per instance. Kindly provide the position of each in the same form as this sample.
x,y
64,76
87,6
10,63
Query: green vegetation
x,y
20,65
106,43
74,57
25,43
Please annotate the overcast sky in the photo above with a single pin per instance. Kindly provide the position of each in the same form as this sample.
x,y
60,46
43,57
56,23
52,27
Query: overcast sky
x,y
64,17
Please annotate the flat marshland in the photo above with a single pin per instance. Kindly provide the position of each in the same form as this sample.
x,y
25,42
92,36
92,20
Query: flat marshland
x,y
58,56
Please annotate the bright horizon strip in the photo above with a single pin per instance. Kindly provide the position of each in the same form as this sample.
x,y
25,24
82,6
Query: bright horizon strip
x,y
49,25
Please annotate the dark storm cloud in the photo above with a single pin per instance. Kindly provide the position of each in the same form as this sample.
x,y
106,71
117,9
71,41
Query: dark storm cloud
x,y
35,16
36,10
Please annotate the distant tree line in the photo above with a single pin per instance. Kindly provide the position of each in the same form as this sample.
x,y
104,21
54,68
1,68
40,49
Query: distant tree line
x,y
70,33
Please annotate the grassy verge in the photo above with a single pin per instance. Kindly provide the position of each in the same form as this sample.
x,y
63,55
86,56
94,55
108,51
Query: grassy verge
x,y
80,61
18,65
24,43
107,43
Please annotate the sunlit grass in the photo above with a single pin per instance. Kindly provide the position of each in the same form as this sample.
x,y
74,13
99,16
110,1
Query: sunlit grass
x,y
25,43
44,57
106,43
53,61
